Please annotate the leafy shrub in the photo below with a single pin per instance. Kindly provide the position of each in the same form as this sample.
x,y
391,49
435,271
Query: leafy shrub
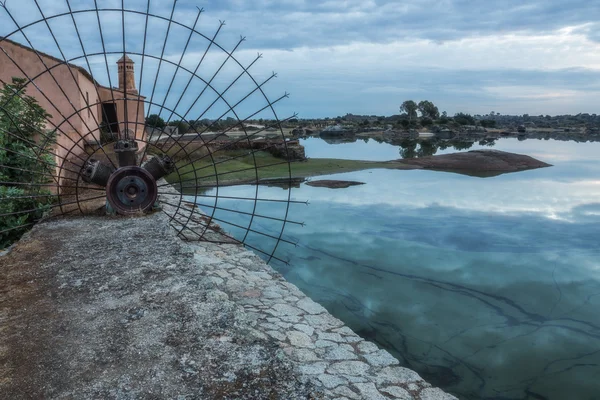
x,y
26,161
155,121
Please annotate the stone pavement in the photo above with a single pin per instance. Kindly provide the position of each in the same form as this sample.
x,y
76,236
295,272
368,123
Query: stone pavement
x,y
122,308
326,353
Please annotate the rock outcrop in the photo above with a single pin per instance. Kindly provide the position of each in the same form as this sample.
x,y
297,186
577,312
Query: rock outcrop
x,y
482,163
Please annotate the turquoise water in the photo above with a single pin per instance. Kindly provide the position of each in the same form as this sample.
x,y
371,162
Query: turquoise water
x,y
488,287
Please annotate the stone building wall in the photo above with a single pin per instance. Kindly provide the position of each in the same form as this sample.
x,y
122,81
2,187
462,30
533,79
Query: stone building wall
x,y
65,91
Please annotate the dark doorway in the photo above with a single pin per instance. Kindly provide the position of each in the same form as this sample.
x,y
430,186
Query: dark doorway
x,y
109,111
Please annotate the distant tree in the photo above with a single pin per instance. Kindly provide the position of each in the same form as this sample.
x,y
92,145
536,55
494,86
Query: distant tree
x,y
464,119
155,121
405,123
410,108
428,109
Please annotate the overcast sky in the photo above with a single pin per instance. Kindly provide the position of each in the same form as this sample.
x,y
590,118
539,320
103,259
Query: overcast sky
x,y
367,57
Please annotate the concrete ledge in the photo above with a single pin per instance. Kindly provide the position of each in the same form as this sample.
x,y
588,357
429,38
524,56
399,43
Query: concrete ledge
x,y
122,308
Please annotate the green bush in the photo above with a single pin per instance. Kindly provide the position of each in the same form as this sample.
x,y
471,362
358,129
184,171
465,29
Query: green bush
x,y
155,121
26,161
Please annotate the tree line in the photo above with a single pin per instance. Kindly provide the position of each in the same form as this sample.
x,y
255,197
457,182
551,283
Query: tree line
x,y
430,114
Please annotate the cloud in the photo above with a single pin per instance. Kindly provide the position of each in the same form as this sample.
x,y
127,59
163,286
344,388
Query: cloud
x,y
316,23
363,57
512,73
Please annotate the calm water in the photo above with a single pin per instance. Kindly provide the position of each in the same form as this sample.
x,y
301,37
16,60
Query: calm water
x,y
489,288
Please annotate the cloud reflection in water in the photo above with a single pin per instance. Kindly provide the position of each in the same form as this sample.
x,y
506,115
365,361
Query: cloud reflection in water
x,y
487,287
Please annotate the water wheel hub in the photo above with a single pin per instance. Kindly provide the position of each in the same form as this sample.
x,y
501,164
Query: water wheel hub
x,y
131,190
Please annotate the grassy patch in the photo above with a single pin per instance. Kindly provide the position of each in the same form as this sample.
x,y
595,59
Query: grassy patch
x,y
234,167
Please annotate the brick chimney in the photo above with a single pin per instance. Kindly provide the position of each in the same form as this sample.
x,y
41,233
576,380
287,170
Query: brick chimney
x,y
127,79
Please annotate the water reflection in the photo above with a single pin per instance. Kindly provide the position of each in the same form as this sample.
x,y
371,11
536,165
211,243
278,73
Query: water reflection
x,y
488,288
413,148
485,305
404,147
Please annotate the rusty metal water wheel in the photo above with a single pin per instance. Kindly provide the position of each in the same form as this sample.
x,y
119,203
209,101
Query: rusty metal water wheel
x,y
107,159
